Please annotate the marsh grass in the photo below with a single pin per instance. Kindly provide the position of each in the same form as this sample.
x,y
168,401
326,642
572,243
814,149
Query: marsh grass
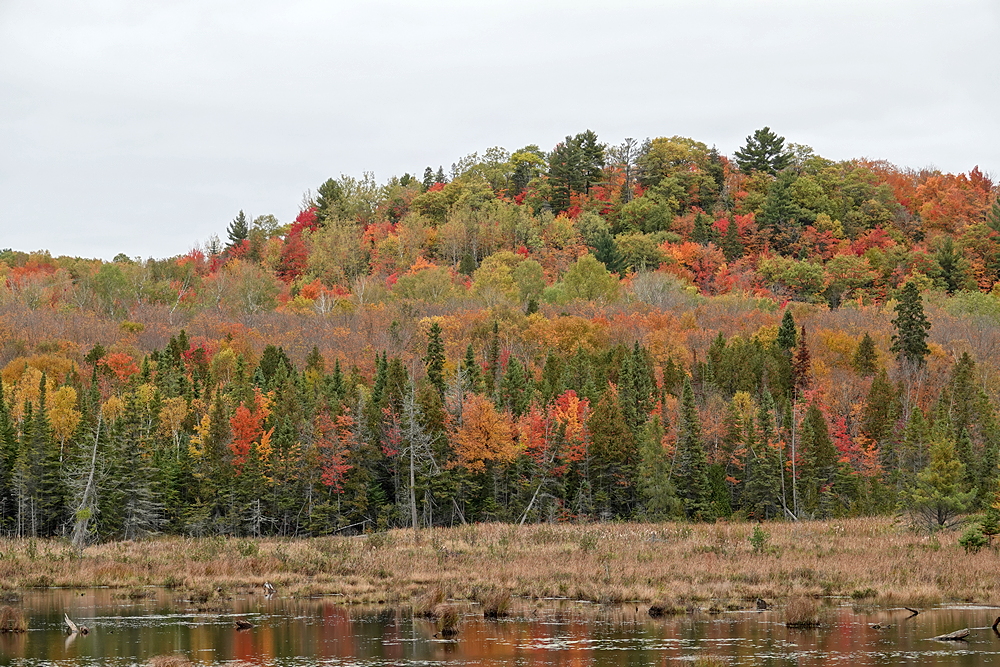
x,y
669,564
169,661
447,620
496,603
802,612
12,620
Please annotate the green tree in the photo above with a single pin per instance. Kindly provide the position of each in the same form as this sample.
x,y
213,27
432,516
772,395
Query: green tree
x,y
764,151
692,465
939,498
589,279
865,360
910,340
238,230
435,359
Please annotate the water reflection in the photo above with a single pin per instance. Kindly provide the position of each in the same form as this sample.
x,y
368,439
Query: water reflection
x,y
300,632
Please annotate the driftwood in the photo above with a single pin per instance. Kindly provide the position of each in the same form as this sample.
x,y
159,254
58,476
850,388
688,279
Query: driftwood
x,y
74,628
913,612
953,636
242,624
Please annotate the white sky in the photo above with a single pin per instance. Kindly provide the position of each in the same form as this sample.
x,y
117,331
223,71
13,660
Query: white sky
x,y
143,127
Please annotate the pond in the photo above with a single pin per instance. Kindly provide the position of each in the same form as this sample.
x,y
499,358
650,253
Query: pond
x,y
319,631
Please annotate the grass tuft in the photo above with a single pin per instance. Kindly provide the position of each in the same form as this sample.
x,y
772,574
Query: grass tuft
x,y
12,619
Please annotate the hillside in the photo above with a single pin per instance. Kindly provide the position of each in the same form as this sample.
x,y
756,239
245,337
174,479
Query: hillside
x,y
644,331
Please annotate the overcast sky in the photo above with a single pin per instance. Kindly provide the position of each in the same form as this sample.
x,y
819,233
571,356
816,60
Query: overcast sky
x,y
143,127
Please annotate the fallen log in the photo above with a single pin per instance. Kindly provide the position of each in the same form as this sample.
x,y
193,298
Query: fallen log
x,y
913,612
953,636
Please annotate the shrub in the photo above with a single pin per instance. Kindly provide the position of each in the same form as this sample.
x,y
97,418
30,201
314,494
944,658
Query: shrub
x,y
759,539
973,540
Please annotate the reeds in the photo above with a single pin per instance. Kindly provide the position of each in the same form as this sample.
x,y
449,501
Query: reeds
x,y
12,620
802,612
645,563
447,620
496,604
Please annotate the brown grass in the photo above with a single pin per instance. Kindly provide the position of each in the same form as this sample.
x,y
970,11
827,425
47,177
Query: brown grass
x,y
448,618
689,564
12,619
802,612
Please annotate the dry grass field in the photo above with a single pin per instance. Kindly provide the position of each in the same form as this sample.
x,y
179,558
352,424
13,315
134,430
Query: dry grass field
x,y
875,561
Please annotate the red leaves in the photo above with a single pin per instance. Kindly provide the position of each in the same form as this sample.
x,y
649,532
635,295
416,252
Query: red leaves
x,y
121,364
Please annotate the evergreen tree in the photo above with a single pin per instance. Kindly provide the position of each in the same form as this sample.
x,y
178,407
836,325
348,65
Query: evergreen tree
x,y
939,496
692,466
787,334
993,217
954,267
435,359
238,230
910,340
732,246
801,365
865,360
613,458
764,151
881,410
606,251
471,372
515,389
659,498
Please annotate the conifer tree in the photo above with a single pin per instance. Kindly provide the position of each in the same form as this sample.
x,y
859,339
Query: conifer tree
x,y
787,334
732,246
435,359
940,496
910,340
238,230
692,466
613,458
865,361
471,372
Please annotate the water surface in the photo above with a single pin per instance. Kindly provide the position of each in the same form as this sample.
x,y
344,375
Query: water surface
x,y
308,632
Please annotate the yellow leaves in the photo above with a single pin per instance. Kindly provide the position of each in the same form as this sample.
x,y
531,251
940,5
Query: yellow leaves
x,y
172,414
63,415
196,446
485,435
54,366
27,390
566,334
113,408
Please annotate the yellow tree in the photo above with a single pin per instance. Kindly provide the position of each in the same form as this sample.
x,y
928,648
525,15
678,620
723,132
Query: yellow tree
x,y
172,416
63,415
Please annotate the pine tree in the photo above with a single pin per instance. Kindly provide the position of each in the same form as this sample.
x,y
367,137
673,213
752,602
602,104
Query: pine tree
x,y
606,251
910,340
764,151
993,217
865,360
238,230
881,410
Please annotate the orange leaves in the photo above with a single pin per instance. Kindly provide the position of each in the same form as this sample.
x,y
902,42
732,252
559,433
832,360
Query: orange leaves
x,y
333,440
485,435
121,364
248,427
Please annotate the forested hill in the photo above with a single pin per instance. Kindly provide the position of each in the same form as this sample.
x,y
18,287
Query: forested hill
x,y
644,331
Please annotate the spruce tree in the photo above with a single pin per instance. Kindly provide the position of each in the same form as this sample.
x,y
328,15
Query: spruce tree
x,y
865,360
692,466
940,496
787,335
732,246
613,458
910,340
435,359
